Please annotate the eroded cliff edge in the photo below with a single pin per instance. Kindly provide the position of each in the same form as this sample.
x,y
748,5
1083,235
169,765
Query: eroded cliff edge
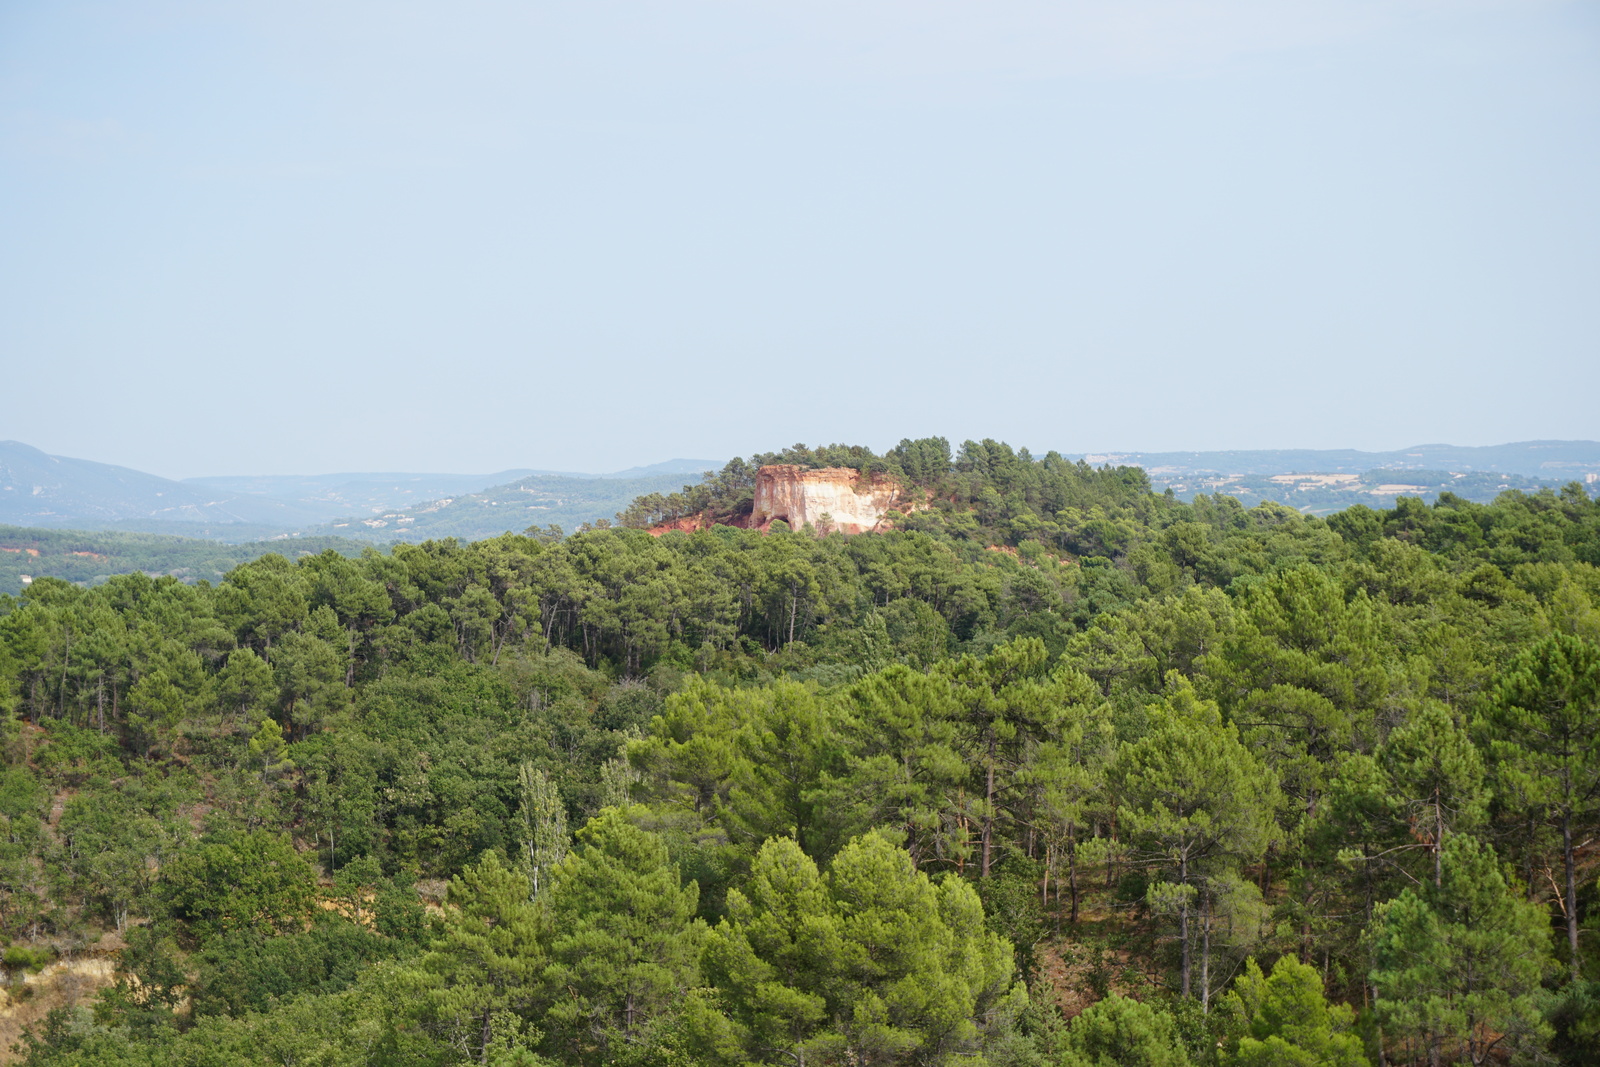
x,y
828,499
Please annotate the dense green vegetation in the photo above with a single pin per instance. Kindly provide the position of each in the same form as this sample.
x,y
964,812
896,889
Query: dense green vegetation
x,y
93,556
1249,787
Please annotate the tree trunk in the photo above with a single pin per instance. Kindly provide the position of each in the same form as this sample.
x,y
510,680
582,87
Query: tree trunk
x,y
1438,842
1205,962
1527,877
1072,874
1366,989
66,660
988,808
1183,924
1572,890
1111,860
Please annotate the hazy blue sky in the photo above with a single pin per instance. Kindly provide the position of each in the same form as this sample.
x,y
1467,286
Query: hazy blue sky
x,y
285,236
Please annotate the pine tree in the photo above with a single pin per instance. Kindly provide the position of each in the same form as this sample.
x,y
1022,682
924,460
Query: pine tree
x,y
1119,1032
1197,805
1285,1021
625,940
481,977
903,764
1544,726
1435,778
870,964
1458,965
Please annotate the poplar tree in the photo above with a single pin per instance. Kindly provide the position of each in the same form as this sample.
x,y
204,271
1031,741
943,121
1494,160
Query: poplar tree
x,y
543,819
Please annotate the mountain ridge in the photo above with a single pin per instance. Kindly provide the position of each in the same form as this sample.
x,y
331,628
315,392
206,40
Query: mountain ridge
x,y
45,491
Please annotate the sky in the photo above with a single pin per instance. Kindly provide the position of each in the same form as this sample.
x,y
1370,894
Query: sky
x,y
294,236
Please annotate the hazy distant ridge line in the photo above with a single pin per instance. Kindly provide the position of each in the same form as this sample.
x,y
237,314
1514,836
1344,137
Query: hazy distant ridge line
x,y
1552,460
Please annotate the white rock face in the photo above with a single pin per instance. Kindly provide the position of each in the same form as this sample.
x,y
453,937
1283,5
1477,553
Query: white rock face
x,y
851,504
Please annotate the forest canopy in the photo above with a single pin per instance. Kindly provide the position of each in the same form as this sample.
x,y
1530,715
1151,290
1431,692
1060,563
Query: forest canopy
x,y
1056,771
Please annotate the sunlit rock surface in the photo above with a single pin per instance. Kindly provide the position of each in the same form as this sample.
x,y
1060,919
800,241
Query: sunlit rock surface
x,y
832,498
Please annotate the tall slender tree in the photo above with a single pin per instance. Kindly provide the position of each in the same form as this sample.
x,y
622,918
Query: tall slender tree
x,y
1544,731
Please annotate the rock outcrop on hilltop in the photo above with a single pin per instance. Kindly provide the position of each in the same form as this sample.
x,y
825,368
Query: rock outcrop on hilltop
x,y
830,498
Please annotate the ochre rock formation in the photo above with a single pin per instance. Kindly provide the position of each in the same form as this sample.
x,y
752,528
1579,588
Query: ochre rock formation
x,y
832,498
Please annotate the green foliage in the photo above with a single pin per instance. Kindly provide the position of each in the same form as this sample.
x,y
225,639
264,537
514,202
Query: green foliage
x,y
237,881
1222,731
150,983
1460,965
24,958
871,963
253,970
1284,1019
1119,1032
625,941
481,979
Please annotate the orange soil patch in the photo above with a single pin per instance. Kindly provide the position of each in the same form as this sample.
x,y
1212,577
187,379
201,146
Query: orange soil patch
x,y
695,523
63,984
1077,972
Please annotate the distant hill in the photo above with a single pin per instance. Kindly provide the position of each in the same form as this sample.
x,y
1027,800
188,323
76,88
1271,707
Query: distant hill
x,y
90,556
37,489
325,497
694,467
1549,461
58,492
337,497
541,500
1321,481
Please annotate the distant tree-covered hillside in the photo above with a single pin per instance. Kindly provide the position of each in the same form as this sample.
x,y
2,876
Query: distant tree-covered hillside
x,y
28,553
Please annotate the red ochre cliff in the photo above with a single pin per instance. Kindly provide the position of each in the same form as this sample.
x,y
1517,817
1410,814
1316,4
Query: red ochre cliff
x,y
829,499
